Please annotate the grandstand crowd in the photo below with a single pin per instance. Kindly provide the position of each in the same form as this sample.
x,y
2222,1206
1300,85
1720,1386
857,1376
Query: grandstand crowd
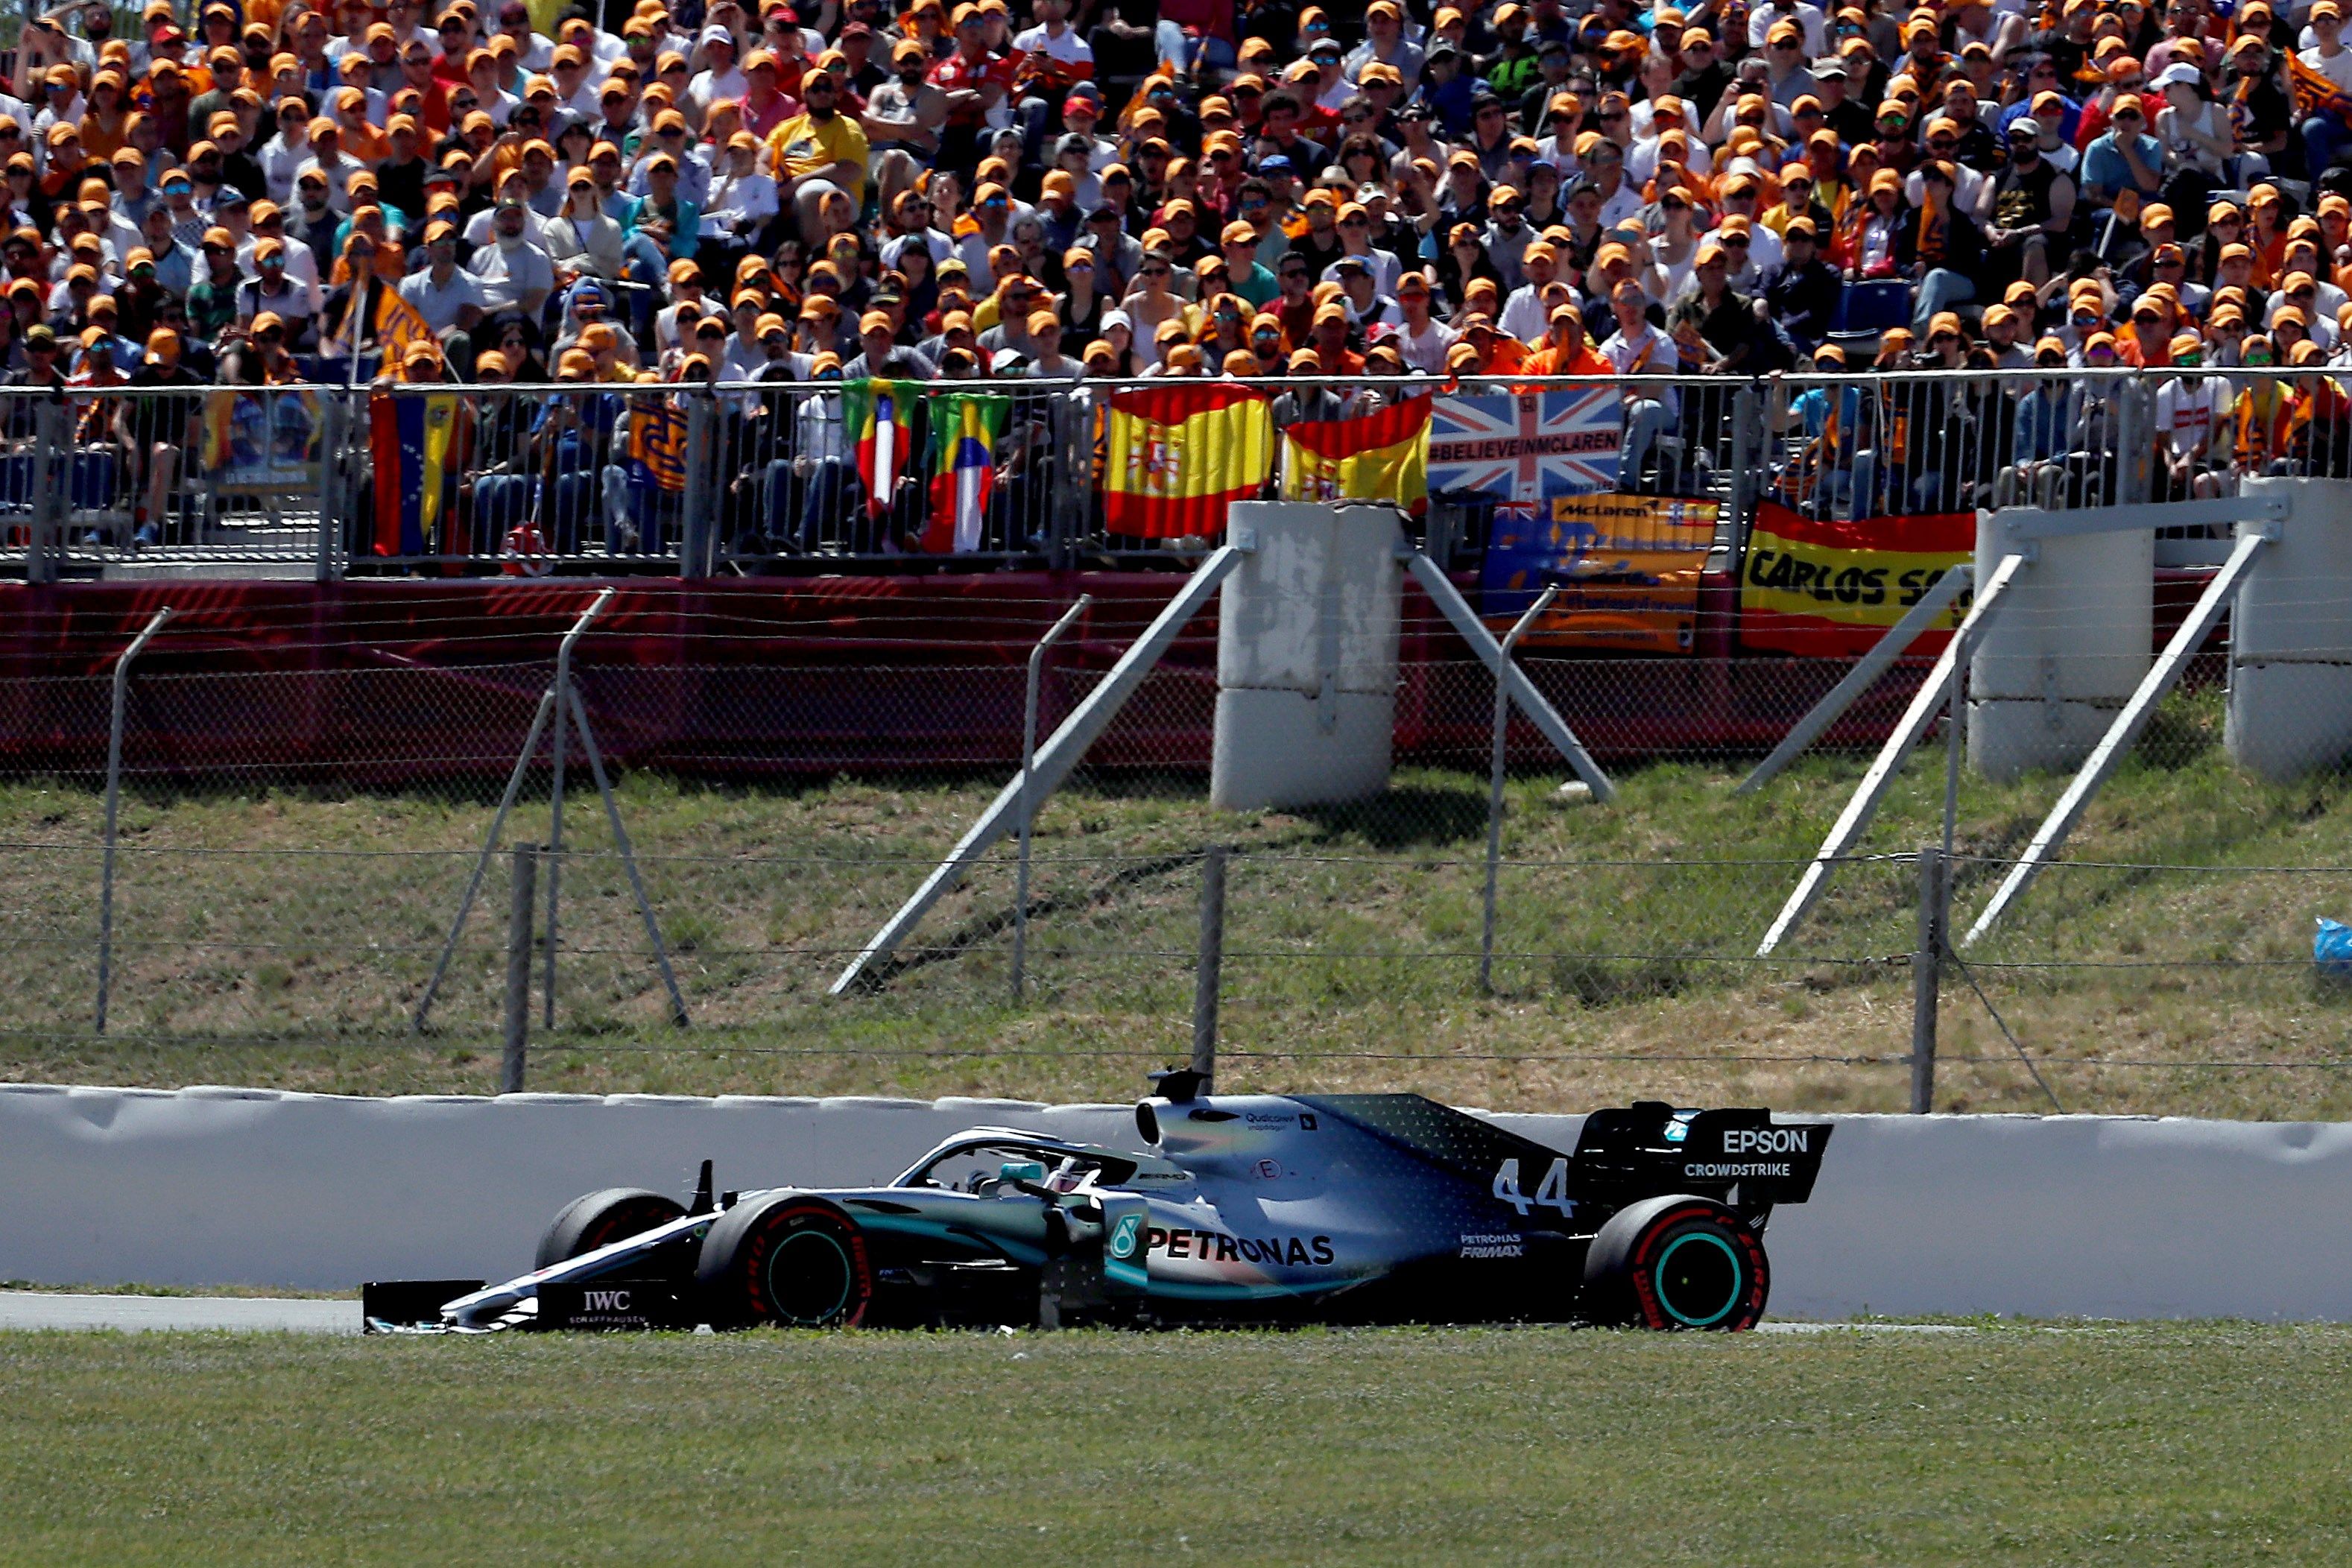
x,y
614,191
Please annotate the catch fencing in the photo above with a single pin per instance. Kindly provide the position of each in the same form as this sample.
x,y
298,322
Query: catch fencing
x,y
278,908
764,477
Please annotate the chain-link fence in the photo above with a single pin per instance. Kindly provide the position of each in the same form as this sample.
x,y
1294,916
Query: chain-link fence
x,y
291,851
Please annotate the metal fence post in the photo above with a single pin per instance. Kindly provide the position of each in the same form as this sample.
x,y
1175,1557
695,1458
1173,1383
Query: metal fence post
x,y
2135,440
1926,977
524,902
1028,805
52,435
334,416
562,689
113,803
1072,487
1495,796
697,529
1747,460
1208,968
1955,736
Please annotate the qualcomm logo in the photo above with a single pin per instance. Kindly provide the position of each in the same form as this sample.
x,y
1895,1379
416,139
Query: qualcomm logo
x,y
1123,1234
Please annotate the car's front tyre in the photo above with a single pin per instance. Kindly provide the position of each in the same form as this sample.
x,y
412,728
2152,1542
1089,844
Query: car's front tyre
x,y
601,1218
1675,1263
788,1259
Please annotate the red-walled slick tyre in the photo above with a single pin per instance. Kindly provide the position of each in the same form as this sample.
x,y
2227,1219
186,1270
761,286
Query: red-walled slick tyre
x,y
788,1259
601,1218
1676,1263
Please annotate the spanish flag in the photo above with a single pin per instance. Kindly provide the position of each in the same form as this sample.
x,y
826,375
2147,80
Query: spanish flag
x,y
410,439
1382,457
880,415
1180,453
1829,588
964,431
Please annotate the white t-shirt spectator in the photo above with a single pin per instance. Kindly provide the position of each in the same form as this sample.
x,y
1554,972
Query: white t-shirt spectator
x,y
2190,409
507,276
1069,48
1648,351
1426,353
707,89
1523,314
478,230
2331,299
2337,69
439,305
1808,17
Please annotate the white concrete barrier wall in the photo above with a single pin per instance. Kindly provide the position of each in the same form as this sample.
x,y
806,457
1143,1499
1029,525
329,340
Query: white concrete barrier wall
x,y
2092,1217
2291,636
2064,650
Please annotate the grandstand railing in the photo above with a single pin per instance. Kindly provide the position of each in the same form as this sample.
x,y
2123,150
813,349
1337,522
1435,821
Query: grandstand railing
x,y
671,480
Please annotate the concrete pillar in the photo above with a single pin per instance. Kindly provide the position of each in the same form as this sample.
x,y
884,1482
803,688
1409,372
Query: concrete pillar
x,y
2064,652
1306,658
2291,636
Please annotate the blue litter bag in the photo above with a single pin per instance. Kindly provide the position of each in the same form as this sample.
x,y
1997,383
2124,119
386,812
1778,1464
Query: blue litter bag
x,y
2331,950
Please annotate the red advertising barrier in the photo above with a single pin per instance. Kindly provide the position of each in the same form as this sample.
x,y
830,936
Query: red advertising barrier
x,y
382,683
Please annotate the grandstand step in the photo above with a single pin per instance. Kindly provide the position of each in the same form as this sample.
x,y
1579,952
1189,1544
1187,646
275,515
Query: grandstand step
x,y
164,569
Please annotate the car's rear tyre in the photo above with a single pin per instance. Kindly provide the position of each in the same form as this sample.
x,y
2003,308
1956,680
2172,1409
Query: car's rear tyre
x,y
601,1219
788,1259
1676,1263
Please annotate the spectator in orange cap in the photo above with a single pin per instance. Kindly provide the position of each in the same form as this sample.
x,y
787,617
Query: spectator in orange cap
x,y
1939,247
2125,157
1715,328
1565,350
158,431
2319,421
2192,412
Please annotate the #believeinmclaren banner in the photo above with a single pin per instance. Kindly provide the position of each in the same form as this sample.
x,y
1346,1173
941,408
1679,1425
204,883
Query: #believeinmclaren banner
x,y
1180,453
1382,457
1627,566
1830,588
1527,448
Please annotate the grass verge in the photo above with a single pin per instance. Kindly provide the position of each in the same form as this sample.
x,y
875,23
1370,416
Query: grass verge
x,y
2132,1445
283,938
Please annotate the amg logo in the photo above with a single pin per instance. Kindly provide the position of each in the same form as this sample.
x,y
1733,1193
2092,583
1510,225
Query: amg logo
x,y
604,1301
1767,1140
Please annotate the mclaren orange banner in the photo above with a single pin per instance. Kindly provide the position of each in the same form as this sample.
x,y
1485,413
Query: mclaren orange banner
x,y
1627,567
1830,589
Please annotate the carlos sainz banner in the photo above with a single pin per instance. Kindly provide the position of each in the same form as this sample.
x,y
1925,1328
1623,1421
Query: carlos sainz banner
x,y
1830,588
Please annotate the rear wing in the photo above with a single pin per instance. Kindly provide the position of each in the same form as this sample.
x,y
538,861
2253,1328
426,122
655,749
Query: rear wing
x,y
1650,1148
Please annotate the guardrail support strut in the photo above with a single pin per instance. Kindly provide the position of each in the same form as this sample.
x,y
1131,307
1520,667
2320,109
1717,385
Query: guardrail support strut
x,y
113,803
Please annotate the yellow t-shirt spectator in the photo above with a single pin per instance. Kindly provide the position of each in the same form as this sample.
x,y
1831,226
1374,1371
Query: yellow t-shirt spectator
x,y
803,146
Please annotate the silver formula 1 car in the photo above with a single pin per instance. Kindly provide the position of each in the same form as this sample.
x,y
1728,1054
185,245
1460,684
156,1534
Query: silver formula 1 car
x,y
1249,1209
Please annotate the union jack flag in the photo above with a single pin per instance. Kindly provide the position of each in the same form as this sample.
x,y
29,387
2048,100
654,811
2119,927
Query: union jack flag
x,y
1526,447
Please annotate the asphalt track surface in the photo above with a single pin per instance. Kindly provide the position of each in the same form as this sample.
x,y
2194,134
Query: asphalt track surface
x,y
135,1314
261,1315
